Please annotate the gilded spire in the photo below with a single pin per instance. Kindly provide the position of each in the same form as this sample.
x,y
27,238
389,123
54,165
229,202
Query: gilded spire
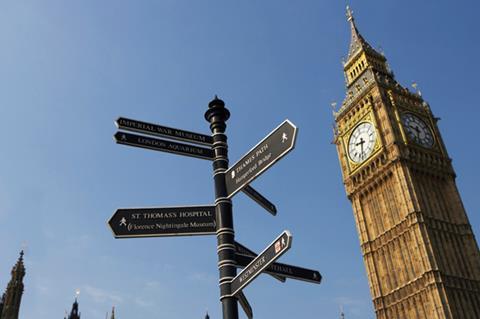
x,y
357,42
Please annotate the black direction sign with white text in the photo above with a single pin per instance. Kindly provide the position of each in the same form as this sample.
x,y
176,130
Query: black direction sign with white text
x,y
272,148
163,145
262,201
283,270
279,246
163,221
159,130
245,252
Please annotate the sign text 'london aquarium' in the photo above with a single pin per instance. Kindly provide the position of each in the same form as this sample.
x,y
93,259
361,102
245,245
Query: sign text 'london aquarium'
x,y
163,145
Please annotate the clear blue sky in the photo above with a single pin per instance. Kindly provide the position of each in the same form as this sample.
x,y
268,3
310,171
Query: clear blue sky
x,y
68,69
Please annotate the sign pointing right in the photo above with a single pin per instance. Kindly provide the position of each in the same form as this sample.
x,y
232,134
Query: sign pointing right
x,y
262,261
272,148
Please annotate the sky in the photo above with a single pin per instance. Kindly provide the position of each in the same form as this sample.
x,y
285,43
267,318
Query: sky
x,y
68,69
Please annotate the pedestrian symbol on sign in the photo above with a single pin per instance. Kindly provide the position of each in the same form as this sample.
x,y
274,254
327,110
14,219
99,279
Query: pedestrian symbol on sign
x,y
277,247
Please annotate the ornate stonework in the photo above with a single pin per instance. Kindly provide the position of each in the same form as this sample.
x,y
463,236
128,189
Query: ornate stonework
x,y
421,256
11,299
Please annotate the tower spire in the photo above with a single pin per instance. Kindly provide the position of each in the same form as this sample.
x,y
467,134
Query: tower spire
x,y
357,42
74,314
113,313
11,299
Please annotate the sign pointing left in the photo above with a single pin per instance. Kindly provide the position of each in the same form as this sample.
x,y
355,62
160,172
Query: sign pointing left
x,y
163,221
159,130
163,145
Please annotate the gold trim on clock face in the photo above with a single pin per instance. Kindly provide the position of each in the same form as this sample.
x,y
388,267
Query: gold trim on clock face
x,y
417,130
361,142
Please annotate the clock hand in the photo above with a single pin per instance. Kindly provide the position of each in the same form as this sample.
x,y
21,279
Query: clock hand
x,y
416,133
361,146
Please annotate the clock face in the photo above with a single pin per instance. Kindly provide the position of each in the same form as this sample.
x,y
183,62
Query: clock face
x,y
361,142
417,130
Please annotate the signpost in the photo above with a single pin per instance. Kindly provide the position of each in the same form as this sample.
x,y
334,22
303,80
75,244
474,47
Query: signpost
x,y
157,144
272,148
262,201
284,270
242,251
279,246
159,130
163,221
214,219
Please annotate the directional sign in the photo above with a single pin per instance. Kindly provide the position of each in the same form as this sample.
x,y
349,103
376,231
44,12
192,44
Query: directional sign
x,y
272,148
283,270
163,221
245,305
163,145
262,261
244,251
262,201
159,130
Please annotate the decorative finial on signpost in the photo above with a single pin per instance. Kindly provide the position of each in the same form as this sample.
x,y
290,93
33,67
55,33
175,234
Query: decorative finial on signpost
x,y
216,107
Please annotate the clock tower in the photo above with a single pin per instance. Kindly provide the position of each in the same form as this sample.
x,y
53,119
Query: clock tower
x,y
420,253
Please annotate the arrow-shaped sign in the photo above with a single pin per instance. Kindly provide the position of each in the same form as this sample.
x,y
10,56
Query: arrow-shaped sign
x,y
242,251
163,145
262,201
159,130
283,270
163,221
272,148
279,246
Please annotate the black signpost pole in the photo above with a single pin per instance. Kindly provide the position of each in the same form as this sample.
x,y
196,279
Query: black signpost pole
x,y
217,115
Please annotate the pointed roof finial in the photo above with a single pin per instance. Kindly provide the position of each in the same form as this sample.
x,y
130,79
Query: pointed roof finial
x,y
357,42
349,14
18,270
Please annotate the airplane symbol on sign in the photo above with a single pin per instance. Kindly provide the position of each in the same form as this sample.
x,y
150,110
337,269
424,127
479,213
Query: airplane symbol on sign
x,y
123,222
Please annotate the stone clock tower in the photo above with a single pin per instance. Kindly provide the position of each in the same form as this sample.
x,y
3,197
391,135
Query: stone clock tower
x,y
420,254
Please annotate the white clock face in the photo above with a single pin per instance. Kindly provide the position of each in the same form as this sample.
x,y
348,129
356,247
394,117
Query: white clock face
x,y
361,142
417,130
